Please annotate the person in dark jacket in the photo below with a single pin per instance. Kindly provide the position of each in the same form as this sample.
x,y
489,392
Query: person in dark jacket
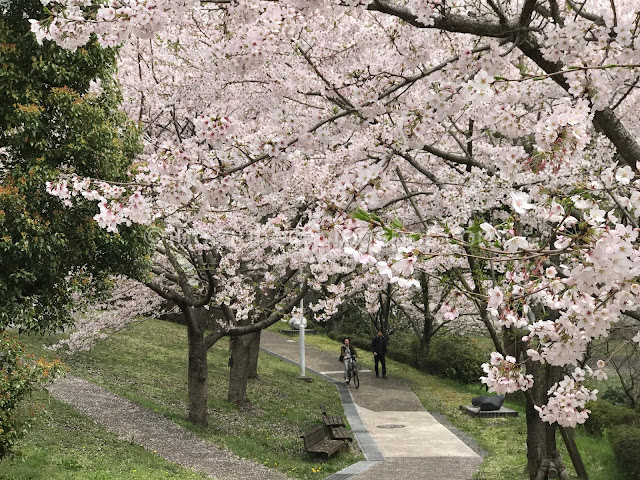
x,y
379,349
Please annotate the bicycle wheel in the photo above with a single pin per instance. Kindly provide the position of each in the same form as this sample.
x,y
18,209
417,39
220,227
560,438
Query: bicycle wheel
x,y
356,380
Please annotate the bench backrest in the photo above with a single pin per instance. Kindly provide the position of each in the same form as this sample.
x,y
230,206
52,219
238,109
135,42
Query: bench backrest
x,y
313,436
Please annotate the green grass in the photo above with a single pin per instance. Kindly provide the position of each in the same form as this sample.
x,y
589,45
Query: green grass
x,y
147,363
63,444
504,439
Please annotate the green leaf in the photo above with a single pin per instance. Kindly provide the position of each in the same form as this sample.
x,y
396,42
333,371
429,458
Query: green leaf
x,y
360,214
397,224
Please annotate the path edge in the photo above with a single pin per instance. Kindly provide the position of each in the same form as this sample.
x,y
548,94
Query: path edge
x,y
365,440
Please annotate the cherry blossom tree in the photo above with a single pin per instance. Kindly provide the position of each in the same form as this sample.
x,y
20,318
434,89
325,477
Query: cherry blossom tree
x,y
495,141
94,320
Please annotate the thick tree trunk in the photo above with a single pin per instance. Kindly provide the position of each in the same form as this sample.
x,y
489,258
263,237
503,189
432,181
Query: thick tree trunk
x,y
254,351
197,374
541,438
536,428
425,345
239,371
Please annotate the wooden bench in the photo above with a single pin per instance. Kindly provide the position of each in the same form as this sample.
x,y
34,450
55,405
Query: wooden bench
x,y
336,425
331,420
340,433
316,441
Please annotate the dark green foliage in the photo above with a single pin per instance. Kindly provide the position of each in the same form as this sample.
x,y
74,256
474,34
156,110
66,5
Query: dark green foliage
x,y
456,357
605,415
333,335
20,374
615,396
49,124
625,442
51,254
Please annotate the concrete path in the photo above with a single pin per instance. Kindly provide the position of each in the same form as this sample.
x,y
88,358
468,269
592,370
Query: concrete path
x,y
156,433
389,422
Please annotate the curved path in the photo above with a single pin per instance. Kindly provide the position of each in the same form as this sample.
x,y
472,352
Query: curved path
x,y
399,438
156,433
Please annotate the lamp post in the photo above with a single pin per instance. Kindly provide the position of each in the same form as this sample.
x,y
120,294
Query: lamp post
x,y
300,323
303,324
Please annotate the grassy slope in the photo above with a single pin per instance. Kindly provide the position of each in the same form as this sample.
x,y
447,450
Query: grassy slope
x,y
147,363
504,439
62,444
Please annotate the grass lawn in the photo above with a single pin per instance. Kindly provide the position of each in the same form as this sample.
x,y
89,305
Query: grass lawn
x,y
63,444
504,439
147,363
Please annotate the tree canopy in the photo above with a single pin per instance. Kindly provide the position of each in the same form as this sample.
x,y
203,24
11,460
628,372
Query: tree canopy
x,y
59,114
491,145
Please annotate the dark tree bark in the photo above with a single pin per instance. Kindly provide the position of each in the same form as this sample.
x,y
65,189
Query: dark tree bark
x,y
239,371
254,351
537,434
427,328
197,377
380,321
541,436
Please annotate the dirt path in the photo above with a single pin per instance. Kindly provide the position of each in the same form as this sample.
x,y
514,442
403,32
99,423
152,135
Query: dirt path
x,y
156,433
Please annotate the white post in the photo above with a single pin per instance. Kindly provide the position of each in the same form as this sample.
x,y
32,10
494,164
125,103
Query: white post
x,y
303,323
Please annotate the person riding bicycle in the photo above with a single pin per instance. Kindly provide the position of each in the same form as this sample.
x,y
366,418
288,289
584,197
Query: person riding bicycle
x,y
347,352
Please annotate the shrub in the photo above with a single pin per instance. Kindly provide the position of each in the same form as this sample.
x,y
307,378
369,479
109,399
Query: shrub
x,y
625,443
605,415
333,335
615,396
20,374
456,357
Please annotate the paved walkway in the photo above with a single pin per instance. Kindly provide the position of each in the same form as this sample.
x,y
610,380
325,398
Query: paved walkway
x,y
399,438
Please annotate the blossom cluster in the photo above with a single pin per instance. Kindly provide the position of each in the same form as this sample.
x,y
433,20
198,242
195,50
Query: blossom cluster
x,y
74,21
505,375
567,400
113,209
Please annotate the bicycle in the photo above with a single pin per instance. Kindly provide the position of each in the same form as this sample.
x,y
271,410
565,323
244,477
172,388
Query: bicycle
x,y
352,372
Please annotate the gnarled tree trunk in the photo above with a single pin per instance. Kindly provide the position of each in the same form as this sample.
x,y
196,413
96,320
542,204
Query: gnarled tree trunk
x,y
254,352
537,434
541,436
240,367
197,375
